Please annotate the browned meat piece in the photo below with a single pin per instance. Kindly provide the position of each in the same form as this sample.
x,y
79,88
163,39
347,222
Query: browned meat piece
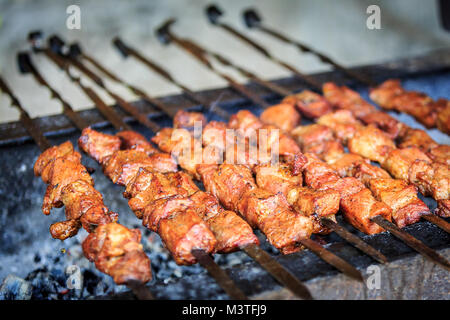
x,y
440,154
123,165
50,155
230,230
273,216
402,198
97,145
167,140
235,188
65,229
345,98
366,172
164,208
311,134
187,120
443,119
347,163
391,95
117,251
371,143
345,186
215,134
244,120
83,202
342,124
384,122
147,187
318,139
360,207
183,232
277,178
418,105
310,104
227,182
322,203
383,94
399,161
181,179
443,208
64,170
283,116
431,179
135,141
416,138
316,173
286,144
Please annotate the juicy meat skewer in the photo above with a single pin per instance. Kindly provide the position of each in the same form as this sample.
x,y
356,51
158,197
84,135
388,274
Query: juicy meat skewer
x,y
115,249
170,203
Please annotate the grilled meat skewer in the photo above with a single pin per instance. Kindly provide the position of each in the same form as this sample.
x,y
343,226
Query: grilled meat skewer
x,y
115,249
164,198
390,95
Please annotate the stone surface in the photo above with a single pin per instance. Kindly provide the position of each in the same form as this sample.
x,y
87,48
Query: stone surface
x,y
15,288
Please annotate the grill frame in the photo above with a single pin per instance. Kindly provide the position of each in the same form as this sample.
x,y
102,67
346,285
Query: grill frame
x,y
15,143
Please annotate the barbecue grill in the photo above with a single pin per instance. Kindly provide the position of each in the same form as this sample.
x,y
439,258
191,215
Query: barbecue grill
x,y
30,253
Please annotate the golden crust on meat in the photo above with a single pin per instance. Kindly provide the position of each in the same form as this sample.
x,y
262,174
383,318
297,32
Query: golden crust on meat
x,y
371,143
135,141
310,104
283,116
97,145
116,251
342,123
347,99
402,198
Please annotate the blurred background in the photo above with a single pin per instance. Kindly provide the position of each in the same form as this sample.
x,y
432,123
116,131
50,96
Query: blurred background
x,y
338,28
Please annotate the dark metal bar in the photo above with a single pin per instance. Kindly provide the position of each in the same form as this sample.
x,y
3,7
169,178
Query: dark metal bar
x,y
213,13
56,44
204,259
278,271
165,36
253,20
126,51
441,223
108,112
26,66
221,277
332,259
140,290
75,51
354,240
27,122
414,243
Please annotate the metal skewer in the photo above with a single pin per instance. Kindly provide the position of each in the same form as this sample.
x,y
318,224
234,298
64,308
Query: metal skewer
x,y
253,20
441,223
56,45
360,244
213,13
27,122
139,289
414,243
279,272
125,50
165,34
206,260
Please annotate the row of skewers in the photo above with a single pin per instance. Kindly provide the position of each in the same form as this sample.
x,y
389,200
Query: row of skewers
x,y
288,202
